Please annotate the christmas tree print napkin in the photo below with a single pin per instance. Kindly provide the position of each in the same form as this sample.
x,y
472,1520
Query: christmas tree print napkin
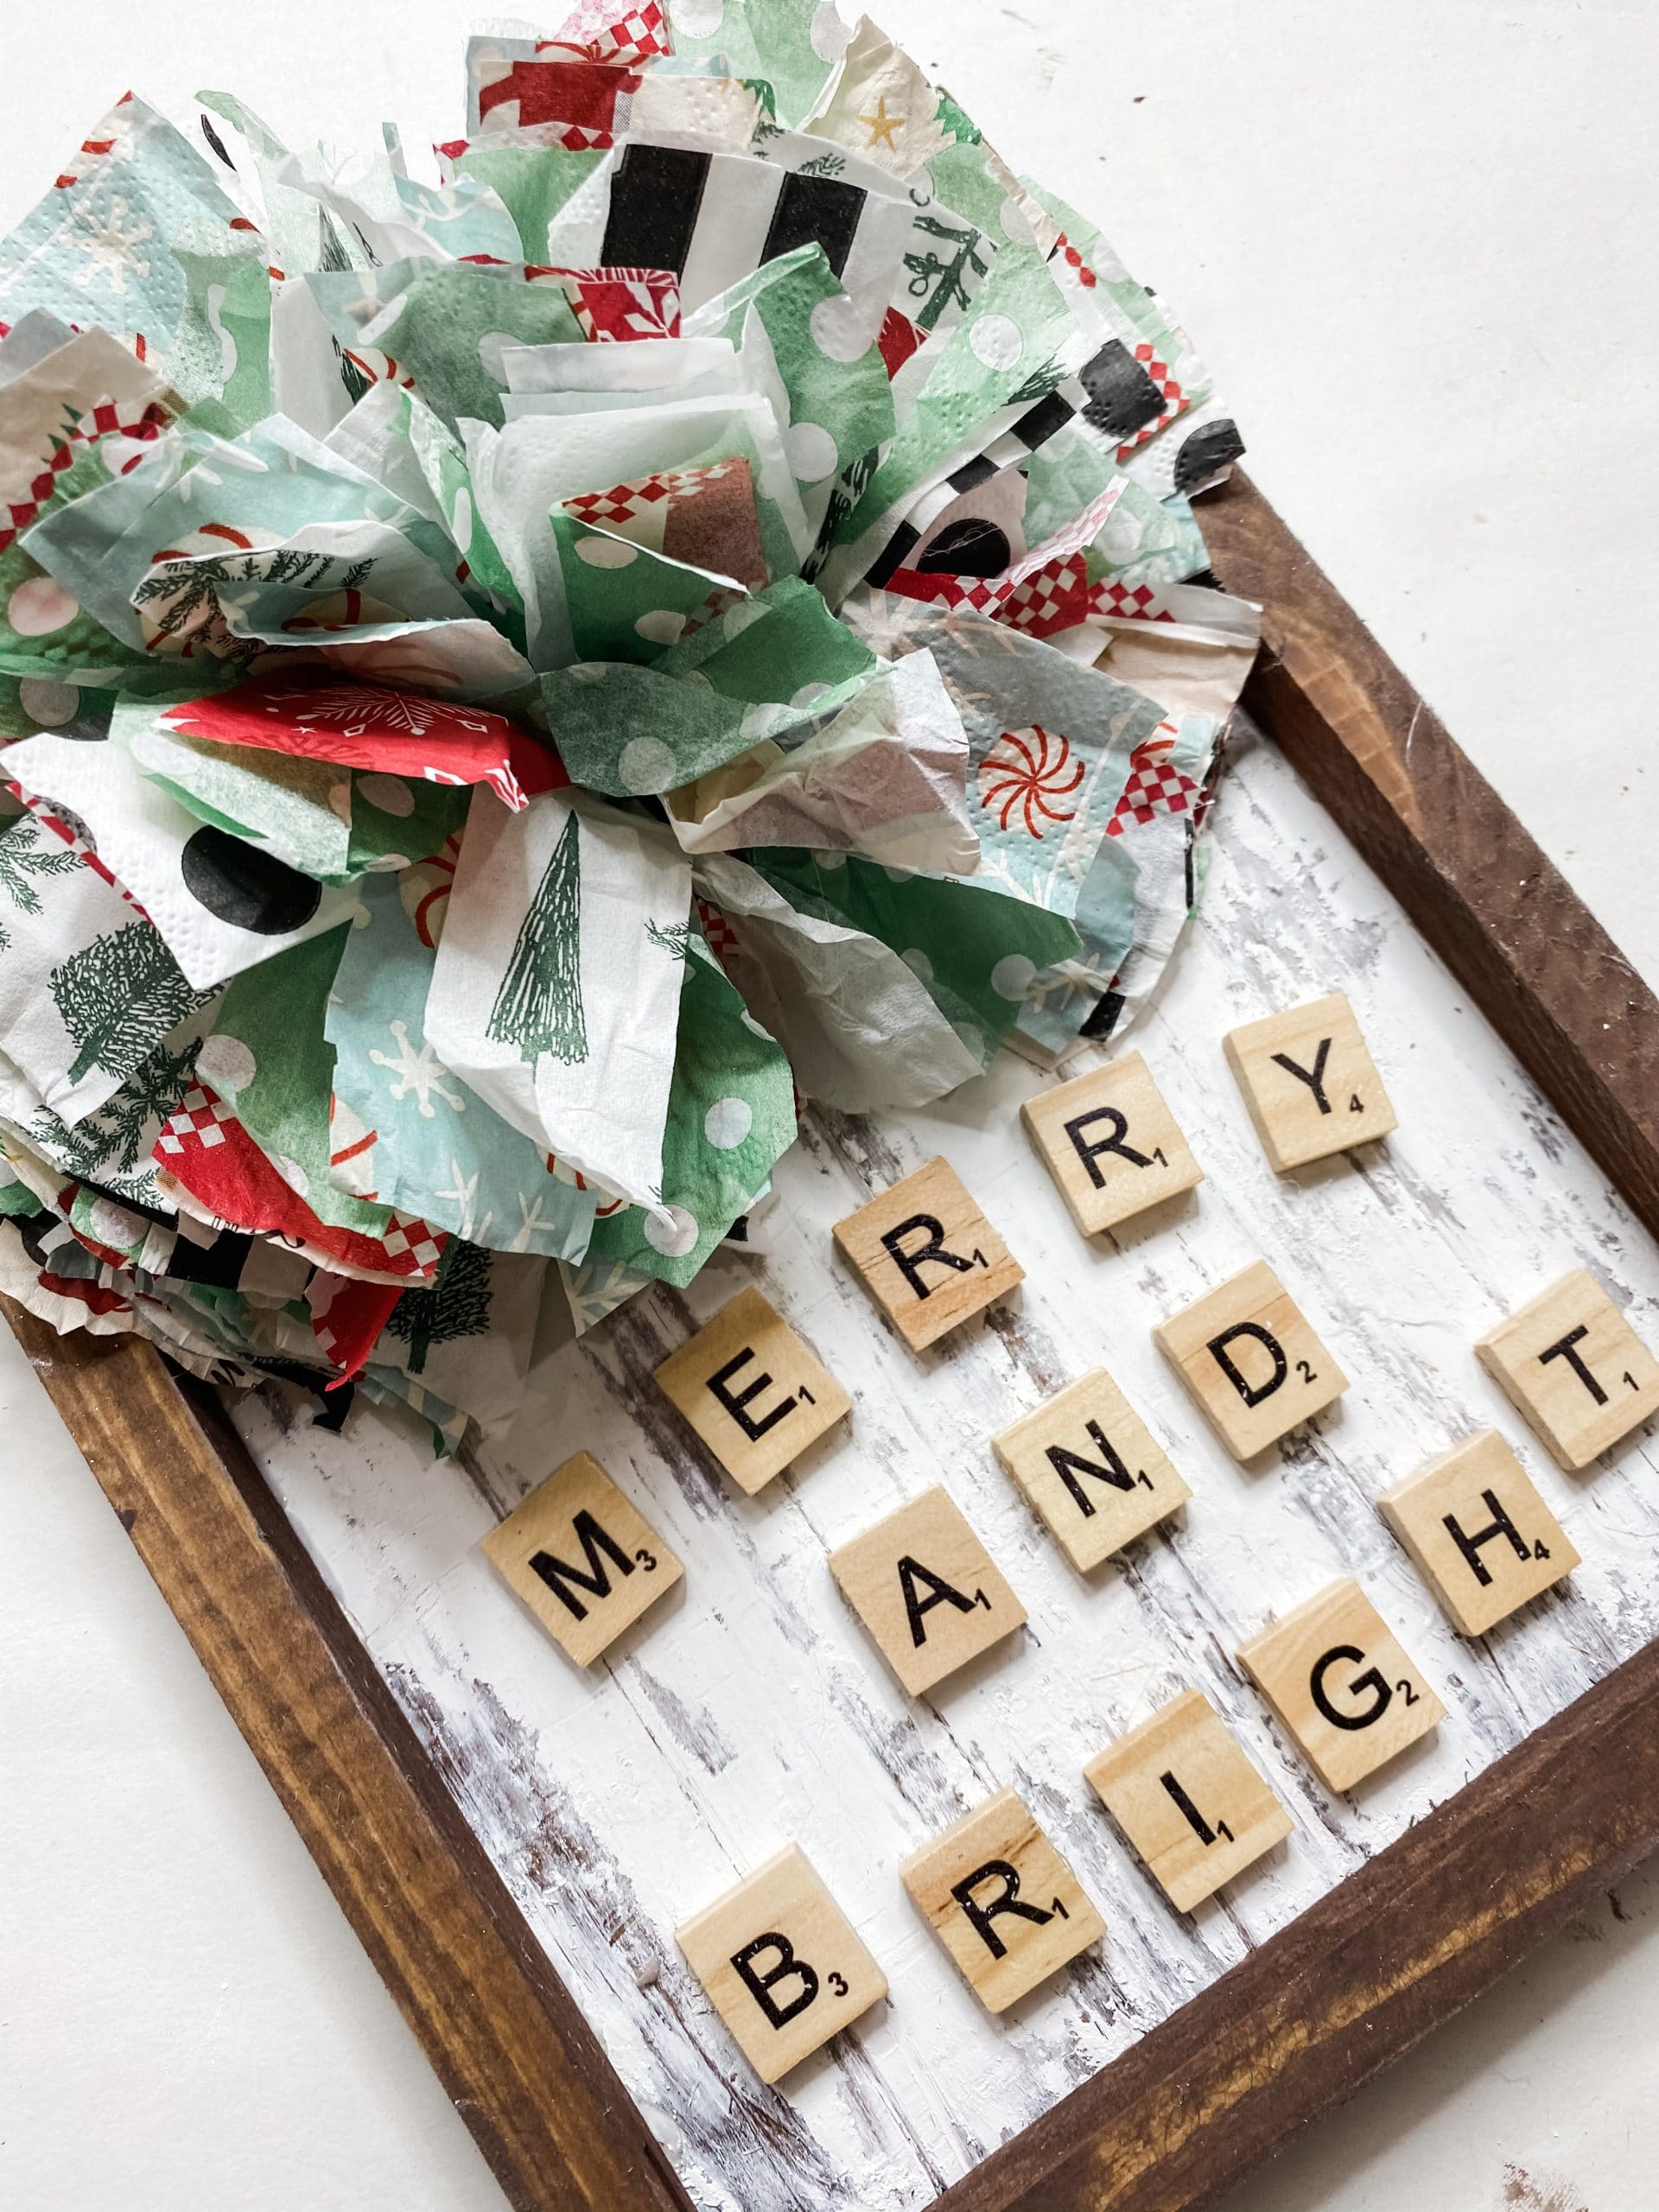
x,y
515,685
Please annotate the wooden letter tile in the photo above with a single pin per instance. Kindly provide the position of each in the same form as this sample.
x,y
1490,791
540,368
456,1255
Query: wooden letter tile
x,y
927,1254
1110,1143
1575,1368
1088,1463
1001,1900
1333,1673
1251,1361
781,1963
1309,1082
754,1392
1480,1534
582,1559
927,1590
1188,1799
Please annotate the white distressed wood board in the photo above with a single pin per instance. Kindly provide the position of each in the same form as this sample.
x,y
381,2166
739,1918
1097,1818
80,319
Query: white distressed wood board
x,y
750,1710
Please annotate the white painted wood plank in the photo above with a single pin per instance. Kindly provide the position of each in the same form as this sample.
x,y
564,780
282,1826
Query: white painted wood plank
x,y
751,1709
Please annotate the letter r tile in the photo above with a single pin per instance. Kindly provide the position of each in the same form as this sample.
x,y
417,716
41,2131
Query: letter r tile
x,y
927,1255
583,1560
927,1590
1337,1677
1110,1143
1251,1361
781,1962
754,1393
1001,1900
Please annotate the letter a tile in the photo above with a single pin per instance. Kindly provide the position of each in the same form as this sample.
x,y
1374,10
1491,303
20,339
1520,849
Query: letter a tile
x,y
927,1590
1251,1362
1001,1900
1091,1467
1309,1082
1478,1532
1574,1367
1188,1799
582,1559
1110,1143
1334,1674
927,1254
754,1392
781,1964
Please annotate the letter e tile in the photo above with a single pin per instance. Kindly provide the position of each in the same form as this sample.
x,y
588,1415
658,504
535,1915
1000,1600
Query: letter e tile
x,y
1001,1900
1478,1532
1573,1366
584,1562
927,1254
1311,1085
1189,1802
754,1393
927,1590
1335,1676
1251,1361
1092,1469
1110,1143
781,1963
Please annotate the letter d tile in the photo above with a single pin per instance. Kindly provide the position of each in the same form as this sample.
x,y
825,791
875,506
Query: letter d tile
x,y
1251,1361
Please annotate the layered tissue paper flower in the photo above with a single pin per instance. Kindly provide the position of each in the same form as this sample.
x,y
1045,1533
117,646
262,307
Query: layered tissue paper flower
x,y
512,686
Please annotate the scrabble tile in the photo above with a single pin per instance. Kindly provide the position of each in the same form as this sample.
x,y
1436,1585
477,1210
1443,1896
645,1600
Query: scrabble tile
x,y
1110,1143
1001,1900
1092,1469
1574,1367
582,1559
1478,1532
781,1963
1333,1673
753,1391
1187,1799
1309,1082
927,1590
927,1255
1251,1361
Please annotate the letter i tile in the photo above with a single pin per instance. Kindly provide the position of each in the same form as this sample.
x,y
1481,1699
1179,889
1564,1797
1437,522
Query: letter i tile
x,y
927,1255
781,1963
1251,1361
1001,1900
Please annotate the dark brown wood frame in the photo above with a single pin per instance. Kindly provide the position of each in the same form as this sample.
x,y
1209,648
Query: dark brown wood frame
x,y
1295,2028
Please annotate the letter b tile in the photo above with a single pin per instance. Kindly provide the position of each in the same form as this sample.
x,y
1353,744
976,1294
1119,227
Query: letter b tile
x,y
1001,1900
927,1590
927,1254
584,1562
1334,1674
1251,1361
781,1963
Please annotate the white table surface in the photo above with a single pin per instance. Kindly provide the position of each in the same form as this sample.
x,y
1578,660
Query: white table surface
x,y
1412,241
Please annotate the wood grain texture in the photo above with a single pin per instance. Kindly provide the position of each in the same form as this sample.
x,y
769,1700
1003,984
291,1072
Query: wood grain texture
x,y
558,2129
1541,969
1397,1948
